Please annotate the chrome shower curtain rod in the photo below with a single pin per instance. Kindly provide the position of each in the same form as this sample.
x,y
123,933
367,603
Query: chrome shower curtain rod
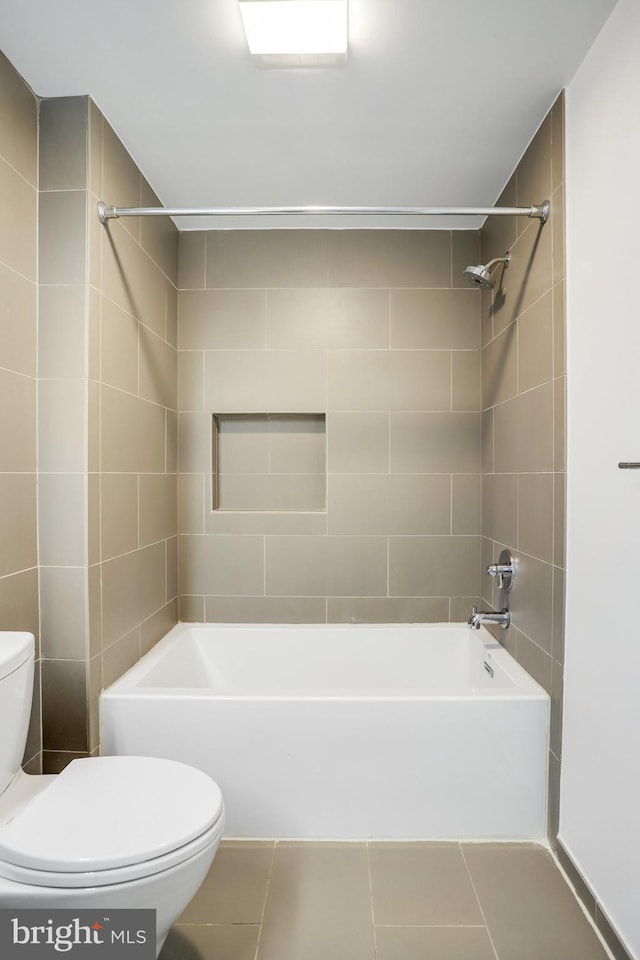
x,y
106,212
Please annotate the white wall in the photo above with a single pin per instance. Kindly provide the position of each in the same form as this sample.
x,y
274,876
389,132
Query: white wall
x,y
600,793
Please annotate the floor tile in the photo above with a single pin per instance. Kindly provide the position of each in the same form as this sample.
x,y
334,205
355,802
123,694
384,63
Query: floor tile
x,y
318,904
421,883
235,888
201,941
530,911
433,943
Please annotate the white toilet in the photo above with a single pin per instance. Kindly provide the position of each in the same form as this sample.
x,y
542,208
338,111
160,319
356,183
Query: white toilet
x,y
107,831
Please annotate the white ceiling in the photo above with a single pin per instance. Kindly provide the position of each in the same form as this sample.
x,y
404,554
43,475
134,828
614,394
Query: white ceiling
x,y
435,107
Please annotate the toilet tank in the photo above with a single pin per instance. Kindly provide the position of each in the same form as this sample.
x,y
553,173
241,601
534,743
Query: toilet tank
x,y
16,690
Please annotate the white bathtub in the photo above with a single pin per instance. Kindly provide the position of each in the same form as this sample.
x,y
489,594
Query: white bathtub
x,y
383,731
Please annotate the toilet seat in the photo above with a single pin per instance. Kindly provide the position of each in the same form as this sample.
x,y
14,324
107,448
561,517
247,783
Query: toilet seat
x,y
107,820
119,875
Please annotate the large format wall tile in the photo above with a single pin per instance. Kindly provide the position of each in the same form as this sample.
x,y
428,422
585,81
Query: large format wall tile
x,y
108,421
18,431
19,602
61,519
18,224
435,442
358,442
389,258
62,593
63,143
18,322
132,279
18,123
266,258
523,439
523,417
62,242
158,235
18,539
222,319
434,319
389,380
266,381
391,504
326,566
222,565
61,331
133,587
434,566
61,426
361,334
327,319
19,594
133,434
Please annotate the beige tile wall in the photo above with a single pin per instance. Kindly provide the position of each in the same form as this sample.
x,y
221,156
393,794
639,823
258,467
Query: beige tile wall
x,y
62,434
523,497
18,369
378,331
132,404
107,423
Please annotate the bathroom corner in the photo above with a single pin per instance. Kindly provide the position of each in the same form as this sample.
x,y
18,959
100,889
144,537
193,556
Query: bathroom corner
x,y
107,425
523,374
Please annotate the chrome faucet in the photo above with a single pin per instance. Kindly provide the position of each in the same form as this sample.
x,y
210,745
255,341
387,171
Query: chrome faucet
x,y
479,617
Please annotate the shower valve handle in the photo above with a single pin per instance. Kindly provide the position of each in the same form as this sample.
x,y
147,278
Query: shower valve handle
x,y
498,570
503,571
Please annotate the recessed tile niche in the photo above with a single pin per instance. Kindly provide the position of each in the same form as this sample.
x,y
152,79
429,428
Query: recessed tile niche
x,y
269,462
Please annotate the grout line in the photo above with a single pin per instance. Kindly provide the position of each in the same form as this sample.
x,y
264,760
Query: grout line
x,y
451,258
451,505
451,410
138,514
432,926
204,265
591,920
373,917
266,896
389,565
517,485
493,946
34,186
197,923
266,319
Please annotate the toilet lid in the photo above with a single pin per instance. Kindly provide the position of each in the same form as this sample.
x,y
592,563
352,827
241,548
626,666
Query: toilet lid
x,y
107,812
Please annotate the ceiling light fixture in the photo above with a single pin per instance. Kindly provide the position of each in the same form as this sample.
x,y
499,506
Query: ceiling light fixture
x,y
296,32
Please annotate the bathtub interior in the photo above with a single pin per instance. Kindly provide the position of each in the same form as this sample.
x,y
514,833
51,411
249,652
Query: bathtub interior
x,y
248,660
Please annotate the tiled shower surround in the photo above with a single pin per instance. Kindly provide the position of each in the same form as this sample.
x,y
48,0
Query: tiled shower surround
x,y
350,357
378,332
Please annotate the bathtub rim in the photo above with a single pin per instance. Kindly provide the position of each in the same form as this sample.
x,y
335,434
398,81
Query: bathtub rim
x,y
525,687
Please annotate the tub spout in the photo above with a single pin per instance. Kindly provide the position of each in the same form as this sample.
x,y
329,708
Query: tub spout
x,y
478,617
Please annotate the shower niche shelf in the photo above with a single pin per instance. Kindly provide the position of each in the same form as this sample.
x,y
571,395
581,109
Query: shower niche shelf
x,y
269,462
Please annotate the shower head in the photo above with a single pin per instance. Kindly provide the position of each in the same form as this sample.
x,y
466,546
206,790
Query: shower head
x,y
480,276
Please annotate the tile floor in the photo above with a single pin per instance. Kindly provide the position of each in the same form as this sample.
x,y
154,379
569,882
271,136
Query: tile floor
x,y
383,901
